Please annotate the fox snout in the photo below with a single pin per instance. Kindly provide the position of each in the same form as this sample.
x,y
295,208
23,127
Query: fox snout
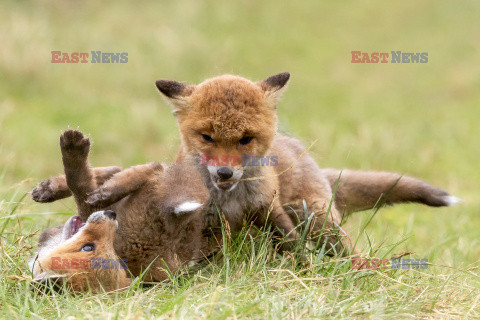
x,y
225,173
225,178
102,216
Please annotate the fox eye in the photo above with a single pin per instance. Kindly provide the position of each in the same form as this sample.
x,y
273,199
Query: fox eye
x,y
245,140
207,138
88,247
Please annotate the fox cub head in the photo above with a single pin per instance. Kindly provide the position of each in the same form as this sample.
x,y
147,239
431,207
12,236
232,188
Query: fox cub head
x,y
82,256
225,120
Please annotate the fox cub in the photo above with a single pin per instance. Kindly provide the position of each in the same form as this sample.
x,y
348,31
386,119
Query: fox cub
x,y
157,222
227,122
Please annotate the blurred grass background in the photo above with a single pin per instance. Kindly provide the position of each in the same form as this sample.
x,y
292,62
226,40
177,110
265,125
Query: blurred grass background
x,y
417,119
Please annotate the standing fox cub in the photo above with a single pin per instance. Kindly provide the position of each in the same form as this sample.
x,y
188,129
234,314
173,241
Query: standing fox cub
x,y
229,118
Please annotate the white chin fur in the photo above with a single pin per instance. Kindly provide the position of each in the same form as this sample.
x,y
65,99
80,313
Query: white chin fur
x,y
228,190
452,200
187,206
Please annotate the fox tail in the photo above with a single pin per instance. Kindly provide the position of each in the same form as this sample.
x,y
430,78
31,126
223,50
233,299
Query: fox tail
x,y
362,190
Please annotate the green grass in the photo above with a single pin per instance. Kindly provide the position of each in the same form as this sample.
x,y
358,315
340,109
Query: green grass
x,y
418,119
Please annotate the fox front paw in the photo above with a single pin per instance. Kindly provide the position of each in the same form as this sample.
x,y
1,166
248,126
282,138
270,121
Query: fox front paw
x,y
100,198
43,192
74,144
50,190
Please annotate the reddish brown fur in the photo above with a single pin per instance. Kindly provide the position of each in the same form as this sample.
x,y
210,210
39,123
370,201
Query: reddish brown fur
x,y
80,278
227,108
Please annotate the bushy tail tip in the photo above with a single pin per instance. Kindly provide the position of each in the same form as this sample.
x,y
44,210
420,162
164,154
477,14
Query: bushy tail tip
x,y
451,200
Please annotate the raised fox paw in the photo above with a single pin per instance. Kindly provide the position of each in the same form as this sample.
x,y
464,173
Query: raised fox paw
x,y
100,198
74,144
44,192
50,190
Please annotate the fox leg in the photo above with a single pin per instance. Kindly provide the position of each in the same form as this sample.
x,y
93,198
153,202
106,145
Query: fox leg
x,y
122,184
325,228
52,189
56,188
78,174
281,222
323,224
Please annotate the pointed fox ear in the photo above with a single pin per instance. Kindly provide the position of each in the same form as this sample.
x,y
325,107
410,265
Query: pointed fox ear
x,y
274,86
176,93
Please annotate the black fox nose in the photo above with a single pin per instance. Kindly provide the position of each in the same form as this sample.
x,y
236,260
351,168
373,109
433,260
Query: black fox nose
x,y
110,214
225,173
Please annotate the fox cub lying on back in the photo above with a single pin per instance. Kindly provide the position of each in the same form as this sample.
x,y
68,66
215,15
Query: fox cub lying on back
x,y
157,222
